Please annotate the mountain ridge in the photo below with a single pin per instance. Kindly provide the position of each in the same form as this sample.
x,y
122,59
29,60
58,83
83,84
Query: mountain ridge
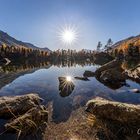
x,y
124,44
11,41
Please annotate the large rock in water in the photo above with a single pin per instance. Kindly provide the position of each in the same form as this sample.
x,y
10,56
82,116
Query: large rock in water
x,y
113,78
111,74
14,105
121,112
113,64
29,121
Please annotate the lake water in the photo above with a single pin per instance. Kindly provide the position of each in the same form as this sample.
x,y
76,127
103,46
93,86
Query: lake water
x,y
44,81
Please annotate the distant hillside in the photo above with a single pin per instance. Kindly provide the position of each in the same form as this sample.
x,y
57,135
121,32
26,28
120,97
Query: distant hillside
x,y
123,44
10,41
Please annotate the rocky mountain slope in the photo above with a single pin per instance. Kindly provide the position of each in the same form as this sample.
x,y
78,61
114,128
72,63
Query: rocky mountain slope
x,y
8,40
123,44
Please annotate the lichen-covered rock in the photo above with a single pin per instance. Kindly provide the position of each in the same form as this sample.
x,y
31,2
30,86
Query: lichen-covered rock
x,y
116,111
28,122
14,105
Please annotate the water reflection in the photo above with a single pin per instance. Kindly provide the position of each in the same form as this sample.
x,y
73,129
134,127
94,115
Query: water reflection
x,y
66,86
113,85
27,65
62,108
9,73
66,94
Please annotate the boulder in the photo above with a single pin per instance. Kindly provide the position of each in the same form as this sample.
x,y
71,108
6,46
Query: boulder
x,y
88,74
111,74
113,64
110,110
113,78
29,121
15,105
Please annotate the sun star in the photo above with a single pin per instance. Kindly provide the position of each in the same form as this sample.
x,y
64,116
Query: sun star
x,y
68,35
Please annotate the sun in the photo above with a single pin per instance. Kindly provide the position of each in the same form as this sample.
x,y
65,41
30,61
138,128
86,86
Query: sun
x,y
68,35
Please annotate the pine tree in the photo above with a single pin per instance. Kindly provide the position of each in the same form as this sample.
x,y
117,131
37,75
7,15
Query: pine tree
x,y
99,46
108,45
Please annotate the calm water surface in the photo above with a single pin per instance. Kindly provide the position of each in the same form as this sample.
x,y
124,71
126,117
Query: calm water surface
x,y
44,81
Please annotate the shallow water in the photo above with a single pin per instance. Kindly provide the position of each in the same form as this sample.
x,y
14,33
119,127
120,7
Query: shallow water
x,y
44,81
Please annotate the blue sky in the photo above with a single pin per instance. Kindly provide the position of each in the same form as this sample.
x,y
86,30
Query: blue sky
x,y
38,21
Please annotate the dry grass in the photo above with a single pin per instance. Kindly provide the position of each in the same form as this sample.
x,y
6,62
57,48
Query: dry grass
x,y
26,123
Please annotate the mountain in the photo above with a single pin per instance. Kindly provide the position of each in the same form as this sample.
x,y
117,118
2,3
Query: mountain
x,y
123,44
8,40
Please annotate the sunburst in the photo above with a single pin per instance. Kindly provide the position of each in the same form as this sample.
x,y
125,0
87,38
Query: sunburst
x,y
68,35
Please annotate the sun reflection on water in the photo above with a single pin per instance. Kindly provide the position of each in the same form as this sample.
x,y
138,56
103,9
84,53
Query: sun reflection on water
x,y
68,78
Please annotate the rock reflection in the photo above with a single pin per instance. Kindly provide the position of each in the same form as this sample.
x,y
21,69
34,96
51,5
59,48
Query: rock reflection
x,y
65,86
62,109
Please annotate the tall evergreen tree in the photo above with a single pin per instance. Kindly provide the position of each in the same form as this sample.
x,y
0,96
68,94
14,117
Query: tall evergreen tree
x,y
108,45
99,46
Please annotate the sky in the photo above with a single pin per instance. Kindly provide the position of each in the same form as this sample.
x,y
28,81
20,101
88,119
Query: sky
x,y
41,21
